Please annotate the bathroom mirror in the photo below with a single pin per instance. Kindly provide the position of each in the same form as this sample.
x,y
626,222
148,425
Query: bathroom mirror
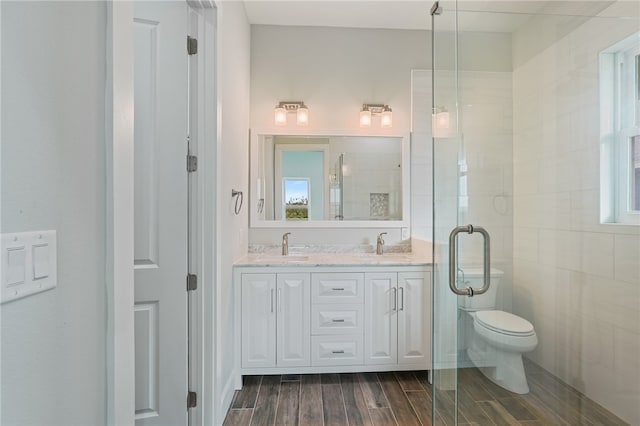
x,y
329,181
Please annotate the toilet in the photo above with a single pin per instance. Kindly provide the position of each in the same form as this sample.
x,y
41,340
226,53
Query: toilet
x,y
497,339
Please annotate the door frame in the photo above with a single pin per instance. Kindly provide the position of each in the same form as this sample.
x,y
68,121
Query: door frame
x,y
119,215
119,272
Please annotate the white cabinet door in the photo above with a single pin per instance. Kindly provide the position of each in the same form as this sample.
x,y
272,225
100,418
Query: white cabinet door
x,y
294,320
381,319
258,320
414,321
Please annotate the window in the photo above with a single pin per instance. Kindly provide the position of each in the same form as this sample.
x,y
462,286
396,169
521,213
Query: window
x,y
296,196
620,133
635,173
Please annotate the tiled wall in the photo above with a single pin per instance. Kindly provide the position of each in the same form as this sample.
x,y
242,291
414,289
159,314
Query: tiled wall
x,y
576,280
487,138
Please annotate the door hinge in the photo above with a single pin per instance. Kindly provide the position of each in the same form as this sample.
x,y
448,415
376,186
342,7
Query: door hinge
x,y
192,282
192,399
192,163
192,45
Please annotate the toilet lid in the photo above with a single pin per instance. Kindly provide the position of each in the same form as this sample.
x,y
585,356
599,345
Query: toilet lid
x,y
504,322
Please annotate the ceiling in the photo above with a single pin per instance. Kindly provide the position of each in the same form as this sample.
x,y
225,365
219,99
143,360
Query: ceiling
x,y
475,15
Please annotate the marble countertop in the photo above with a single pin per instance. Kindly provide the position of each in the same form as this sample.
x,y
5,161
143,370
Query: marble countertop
x,y
332,259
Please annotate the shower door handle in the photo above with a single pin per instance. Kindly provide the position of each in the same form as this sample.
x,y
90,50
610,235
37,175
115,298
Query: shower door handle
x,y
453,260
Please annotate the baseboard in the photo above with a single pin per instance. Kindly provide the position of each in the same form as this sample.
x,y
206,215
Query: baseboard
x,y
226,397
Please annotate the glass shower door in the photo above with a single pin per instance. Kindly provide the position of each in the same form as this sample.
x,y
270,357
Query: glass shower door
x,y
472,213
446,203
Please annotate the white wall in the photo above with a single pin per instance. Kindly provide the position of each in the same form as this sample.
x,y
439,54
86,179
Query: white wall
x,y
577,281
233,165
334,71
53,177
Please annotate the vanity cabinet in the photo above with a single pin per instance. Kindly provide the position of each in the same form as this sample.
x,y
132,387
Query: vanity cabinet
x,y
414,318
381,317
275,320
337,318
398,322
300,319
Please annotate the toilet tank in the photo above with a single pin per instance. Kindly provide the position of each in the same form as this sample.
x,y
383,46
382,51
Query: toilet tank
x,y
473,277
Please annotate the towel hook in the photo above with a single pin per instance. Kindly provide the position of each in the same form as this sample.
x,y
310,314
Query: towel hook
x,y
239,199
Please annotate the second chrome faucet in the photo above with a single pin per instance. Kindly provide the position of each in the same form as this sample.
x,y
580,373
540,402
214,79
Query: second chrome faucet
x,y
285,244
380,243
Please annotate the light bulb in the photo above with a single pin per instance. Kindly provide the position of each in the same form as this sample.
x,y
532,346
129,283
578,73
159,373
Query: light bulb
x,y
302,116
365,118
280,116
442,120
386,120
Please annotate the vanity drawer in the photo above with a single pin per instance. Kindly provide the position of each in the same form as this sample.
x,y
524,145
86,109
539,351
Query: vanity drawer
x,y
337,350
337,287
336,319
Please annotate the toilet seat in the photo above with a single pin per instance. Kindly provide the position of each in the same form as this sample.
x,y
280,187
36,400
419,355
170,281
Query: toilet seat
x,y
504,323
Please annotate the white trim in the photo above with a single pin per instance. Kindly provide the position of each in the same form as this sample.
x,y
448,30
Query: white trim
x,y
119,215
205,135
212,343
207,149
1,351
619,116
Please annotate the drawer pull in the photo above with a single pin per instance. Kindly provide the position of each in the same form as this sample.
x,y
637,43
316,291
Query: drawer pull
x,y
338,289
337,320
338,352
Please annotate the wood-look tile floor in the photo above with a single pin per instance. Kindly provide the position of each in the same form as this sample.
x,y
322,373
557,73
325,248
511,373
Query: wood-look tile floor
x,y
405,398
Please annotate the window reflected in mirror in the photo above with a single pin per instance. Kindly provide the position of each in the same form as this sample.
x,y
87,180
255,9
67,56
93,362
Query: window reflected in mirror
x,y
296,196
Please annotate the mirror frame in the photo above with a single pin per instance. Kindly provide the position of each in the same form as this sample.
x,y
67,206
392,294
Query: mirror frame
x,y
254,222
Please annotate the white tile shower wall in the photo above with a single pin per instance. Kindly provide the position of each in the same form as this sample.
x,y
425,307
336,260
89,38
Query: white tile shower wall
x,y
577,281
486,119
421,156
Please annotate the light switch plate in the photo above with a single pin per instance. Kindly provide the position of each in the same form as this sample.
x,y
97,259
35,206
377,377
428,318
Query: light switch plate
x,y
29,264
40,256
16,262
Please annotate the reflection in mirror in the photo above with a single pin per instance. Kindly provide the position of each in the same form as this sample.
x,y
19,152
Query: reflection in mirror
x,y
296,205
327,178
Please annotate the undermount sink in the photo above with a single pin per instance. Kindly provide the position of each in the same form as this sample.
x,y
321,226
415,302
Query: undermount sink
x,y
285,259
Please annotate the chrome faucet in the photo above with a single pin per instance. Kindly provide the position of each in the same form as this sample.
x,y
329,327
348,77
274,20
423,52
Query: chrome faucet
x,y
285,244
379,248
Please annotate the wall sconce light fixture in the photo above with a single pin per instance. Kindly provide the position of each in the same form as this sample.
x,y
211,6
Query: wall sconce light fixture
x,y
440,119
285,107
383,110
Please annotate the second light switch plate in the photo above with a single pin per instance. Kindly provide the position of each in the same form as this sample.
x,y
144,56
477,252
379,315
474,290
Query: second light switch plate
x,y
29,264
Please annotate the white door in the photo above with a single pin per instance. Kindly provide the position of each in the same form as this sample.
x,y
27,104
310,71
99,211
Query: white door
x,y
160,190
294,320
414,319
258,320
381,319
